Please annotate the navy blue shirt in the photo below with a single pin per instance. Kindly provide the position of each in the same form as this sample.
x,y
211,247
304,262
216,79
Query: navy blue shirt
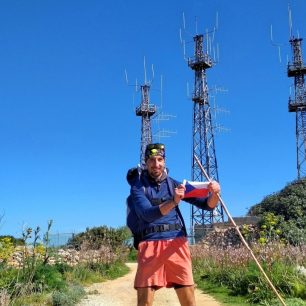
x,y
146,195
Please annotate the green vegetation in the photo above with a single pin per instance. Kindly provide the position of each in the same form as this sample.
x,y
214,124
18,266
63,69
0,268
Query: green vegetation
x,y
289,208
15,241
279,243
6,248
43,278
132,256
233,272
95,237
68,298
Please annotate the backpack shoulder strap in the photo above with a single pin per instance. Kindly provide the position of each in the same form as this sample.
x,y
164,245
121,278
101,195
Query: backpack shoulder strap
x,y
145,185
172,184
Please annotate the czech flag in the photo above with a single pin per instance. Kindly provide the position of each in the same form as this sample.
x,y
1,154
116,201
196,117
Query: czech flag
x,y
196,189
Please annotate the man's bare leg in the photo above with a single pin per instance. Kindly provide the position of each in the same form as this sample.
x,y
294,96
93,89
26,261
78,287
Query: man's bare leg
x,y
186,295
145,296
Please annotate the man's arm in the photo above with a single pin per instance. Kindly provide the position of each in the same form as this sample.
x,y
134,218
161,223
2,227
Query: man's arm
x,y
143,206
166,207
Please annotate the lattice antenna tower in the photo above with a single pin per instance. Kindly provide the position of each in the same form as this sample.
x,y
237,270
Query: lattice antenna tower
x,y
149,112
203,144
297,104
145,110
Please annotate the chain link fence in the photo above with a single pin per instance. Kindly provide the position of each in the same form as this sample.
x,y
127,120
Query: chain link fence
x,y
59,239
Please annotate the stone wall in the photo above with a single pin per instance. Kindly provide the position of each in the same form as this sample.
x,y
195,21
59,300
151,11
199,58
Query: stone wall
x,y
223,237
71,257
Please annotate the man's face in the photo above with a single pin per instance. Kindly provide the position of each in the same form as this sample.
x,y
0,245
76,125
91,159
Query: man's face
x,y
155,166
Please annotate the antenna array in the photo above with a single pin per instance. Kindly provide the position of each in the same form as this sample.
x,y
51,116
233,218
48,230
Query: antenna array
x,y
203,145
148,111
145,110
297,104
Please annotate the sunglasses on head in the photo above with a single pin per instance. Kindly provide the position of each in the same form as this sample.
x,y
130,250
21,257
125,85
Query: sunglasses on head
x,y
158,146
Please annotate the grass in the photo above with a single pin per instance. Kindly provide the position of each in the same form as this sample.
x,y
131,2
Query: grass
x,y
33,300
64,285
225,296
90,273
221,294
232,277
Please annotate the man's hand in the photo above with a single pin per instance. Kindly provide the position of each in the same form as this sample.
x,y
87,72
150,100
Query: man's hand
x,y
215,189
166,207
179,193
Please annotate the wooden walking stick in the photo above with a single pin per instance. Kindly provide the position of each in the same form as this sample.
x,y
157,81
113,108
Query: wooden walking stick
x,y
241,236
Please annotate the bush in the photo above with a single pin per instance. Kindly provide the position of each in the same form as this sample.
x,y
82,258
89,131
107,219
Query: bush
x,y
61,299
83,274
15,241
48,278
117,269
6,248
8,278
96,237
70,297
132,255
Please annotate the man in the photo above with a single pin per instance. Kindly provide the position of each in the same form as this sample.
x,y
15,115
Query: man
x,y
163,253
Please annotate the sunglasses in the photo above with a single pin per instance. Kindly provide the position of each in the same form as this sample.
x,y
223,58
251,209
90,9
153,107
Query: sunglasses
x,y
154,149
157,146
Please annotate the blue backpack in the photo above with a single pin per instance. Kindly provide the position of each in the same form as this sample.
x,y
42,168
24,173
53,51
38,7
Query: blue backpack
x,y
132,217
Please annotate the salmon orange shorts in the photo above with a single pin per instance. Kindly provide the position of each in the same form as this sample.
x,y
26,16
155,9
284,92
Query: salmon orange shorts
x,y
164,263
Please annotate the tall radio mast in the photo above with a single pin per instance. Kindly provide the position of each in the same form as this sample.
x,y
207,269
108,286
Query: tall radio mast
x,y
297,104
203,144
145,111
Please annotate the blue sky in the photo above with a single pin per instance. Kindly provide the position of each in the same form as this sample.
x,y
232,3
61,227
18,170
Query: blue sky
x,y
68,129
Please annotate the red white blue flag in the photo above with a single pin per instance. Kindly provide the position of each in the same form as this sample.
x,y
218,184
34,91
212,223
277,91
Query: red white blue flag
x,y
196,189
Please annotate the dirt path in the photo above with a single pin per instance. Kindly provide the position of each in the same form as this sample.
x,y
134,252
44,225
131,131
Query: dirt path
x,y
120,292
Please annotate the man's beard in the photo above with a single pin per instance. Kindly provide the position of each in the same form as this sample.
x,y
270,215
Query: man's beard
x,y
156,173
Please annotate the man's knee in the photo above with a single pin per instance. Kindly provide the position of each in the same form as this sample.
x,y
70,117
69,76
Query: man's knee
x,y
186,295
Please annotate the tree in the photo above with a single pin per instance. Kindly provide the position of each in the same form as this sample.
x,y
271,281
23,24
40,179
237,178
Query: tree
x,y
98,236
